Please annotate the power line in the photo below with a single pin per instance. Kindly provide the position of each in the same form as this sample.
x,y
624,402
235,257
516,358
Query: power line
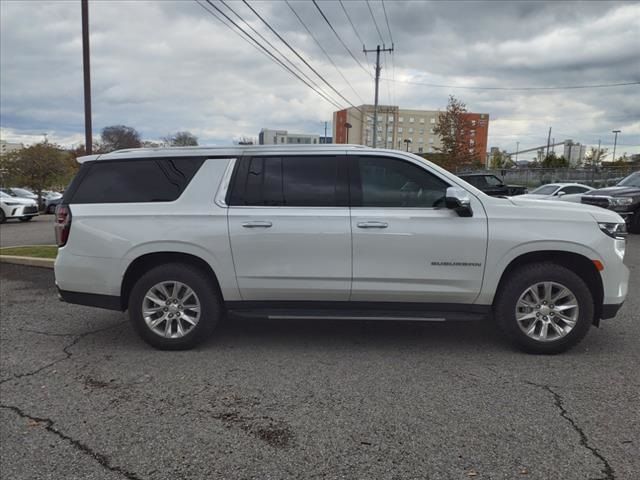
x,y
566,87
339,38
273,47
323,49
386,18
344,9
277,60
393,63
295,52
374,22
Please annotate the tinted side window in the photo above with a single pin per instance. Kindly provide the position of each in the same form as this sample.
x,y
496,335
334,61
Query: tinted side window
x,y
476,181
573,189
291,181
389,182
123,181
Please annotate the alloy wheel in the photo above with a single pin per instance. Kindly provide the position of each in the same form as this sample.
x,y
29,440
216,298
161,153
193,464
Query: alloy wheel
x,y
171,309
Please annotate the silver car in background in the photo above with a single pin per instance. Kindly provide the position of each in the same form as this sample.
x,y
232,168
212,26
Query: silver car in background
x,y
567,192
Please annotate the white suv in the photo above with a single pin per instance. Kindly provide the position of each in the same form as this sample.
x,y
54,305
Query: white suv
x,y
182,236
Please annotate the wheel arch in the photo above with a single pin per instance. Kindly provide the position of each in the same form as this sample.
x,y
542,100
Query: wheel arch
x,y
581,265
146,262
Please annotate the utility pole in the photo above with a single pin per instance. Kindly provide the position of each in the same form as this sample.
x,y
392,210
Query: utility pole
x,y
88,137
548,142
378,68
325,132
615,143
517,150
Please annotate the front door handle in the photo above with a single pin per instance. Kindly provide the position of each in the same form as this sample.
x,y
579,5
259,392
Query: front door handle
x,y
373,225
257,224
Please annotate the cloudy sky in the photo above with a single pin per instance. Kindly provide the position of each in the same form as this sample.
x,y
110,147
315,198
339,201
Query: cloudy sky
x,y
167,66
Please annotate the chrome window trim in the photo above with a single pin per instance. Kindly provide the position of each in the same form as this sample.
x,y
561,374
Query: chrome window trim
x,y
221,194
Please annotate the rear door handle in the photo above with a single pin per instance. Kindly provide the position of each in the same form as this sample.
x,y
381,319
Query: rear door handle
x,y
373,225
257,224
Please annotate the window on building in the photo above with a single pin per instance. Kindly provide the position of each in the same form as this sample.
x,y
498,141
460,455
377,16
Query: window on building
x,y
431,140
410,119
432,121
422,120
421,131
411,130
390,118
431,131
421,140
420,150
399,129
400,119
473,123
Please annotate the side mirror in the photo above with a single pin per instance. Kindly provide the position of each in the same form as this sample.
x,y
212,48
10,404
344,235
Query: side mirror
x,y
560,193
458,199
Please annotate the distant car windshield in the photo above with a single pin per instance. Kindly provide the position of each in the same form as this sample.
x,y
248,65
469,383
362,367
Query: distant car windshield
x,y
493,181
4,195
22,192
632,180
545,190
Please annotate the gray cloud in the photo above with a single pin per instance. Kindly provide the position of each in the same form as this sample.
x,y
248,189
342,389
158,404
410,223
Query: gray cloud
x,y
167,66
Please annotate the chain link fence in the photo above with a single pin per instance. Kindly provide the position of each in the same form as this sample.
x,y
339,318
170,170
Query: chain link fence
x,y
534,177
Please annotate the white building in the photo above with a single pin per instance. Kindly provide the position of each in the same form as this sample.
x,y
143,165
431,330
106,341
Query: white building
x,y
283,137
574,153
6,147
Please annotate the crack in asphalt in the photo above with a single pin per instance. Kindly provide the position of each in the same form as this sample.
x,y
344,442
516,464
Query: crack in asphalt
x,y
49,426
608,471
65,349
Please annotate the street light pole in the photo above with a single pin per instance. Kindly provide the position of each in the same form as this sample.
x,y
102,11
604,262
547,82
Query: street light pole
x,y
347,126
407,141
615,142
88,137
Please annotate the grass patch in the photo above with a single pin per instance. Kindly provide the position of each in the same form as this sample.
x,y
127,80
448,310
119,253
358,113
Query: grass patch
x,y
41,251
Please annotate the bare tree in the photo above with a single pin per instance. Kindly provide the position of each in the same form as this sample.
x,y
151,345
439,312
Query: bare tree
x,y
246,141
181,139
117,137
594,156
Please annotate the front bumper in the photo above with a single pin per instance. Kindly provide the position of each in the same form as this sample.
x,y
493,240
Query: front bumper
x,y
18,211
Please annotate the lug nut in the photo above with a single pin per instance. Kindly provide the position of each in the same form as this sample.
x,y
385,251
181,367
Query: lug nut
x,y
537,314
538,307
552,306
165,309
544,318
171,315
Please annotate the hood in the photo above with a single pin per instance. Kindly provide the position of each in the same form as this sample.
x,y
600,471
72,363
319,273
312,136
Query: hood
x,y
18,200
615,191
530,196
570,210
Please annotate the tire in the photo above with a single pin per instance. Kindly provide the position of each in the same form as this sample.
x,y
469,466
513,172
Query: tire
x,y
634,224
25,219
3,217
519,283
206,295
51,209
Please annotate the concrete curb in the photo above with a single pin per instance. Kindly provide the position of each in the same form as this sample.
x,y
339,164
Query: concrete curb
x,y
29,261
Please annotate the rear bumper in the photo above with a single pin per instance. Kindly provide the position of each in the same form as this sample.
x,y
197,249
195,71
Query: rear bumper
x,y
107,302
610,310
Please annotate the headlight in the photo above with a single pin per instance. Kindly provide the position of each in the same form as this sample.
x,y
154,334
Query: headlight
x,y
621,201
614,230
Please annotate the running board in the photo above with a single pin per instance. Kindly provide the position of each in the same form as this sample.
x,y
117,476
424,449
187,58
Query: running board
x,y
424,314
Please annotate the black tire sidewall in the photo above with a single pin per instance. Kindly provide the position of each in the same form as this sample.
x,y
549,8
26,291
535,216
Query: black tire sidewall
x,y
197,280
25,219
523,278
634,224
3,217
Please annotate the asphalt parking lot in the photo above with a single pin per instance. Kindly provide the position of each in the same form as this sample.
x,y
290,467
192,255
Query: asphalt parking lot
x,y
82,397
38,231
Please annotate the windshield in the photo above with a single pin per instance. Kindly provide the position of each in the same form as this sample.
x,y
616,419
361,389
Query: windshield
x,y
545,190
4,195
493,181
632,180
21,191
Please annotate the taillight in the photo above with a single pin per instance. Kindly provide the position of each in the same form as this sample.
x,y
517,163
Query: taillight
x,y
62,224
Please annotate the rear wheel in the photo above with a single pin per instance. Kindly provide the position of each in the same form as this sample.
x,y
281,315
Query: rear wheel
x,y
174,307
51,209
544,308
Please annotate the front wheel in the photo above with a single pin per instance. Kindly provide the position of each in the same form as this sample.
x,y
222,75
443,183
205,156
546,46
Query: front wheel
x,y
174,307
544,308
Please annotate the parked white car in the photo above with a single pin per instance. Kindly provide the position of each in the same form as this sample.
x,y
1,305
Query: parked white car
x,y
181,236
24,209
567,192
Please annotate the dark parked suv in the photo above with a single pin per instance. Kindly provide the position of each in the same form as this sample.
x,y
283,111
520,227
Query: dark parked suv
x,y
492,185
624,199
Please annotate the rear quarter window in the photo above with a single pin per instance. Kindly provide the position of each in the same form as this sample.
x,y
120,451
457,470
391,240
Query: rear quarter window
x,y
133,181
